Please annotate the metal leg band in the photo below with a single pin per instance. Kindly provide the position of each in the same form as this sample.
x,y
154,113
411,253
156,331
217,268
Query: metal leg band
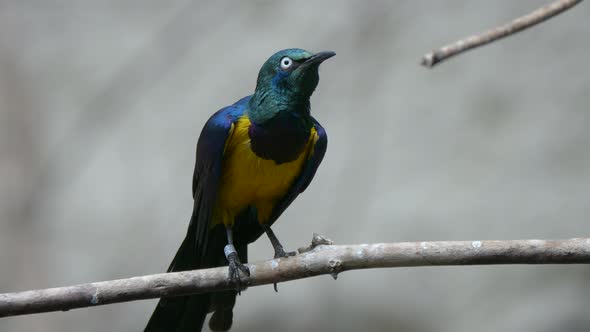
x,y
228,250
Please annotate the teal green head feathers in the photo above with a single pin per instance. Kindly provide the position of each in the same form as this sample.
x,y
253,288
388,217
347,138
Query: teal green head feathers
x,y
285,83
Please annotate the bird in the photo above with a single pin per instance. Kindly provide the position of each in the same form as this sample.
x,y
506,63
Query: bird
x,y
253,159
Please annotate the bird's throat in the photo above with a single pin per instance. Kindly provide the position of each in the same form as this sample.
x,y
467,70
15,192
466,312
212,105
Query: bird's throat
x,y
282,138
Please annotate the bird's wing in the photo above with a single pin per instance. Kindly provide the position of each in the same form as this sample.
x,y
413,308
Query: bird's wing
x,y
185,313
316,157
206,176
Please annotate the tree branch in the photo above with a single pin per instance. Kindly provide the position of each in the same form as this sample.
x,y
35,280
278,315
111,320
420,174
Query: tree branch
x,y
431,59
317,260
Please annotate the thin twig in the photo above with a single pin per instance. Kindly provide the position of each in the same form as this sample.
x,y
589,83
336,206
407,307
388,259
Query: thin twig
x,y
322,259
431,59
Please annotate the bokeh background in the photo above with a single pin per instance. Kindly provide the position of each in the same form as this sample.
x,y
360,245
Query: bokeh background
x,y
101,104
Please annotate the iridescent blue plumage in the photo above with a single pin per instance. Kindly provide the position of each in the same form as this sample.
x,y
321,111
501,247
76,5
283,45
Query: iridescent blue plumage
x,y
253,159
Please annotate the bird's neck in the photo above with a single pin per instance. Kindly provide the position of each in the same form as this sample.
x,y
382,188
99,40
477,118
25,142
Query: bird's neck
x,y
279,129
266,104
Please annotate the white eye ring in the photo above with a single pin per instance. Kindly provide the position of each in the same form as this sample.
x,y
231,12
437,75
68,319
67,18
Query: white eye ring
x,y
286,62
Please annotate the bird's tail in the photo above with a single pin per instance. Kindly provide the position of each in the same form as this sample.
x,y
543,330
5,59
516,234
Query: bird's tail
x,y
187,313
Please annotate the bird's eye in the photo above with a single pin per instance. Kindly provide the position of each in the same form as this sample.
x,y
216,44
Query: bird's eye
x,y
286,63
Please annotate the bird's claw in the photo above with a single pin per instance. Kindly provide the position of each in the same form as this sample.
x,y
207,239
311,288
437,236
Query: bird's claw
x,y
281,253
235,266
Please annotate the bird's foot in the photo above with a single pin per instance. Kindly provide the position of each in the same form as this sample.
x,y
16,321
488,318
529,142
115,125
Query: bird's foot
x,y
234,268
281,253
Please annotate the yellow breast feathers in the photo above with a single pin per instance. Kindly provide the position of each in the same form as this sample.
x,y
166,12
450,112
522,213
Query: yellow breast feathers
x,y
250,180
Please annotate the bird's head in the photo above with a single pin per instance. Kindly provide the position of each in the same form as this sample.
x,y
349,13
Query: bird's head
x,y
288,78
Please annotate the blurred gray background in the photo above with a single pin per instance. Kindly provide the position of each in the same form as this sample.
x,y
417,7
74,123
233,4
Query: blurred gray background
x,y
101,104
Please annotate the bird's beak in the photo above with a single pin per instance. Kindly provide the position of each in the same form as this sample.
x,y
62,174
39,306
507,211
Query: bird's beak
x,y
318,58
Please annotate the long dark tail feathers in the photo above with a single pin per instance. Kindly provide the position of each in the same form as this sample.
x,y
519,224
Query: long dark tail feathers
x,y
179,314
221,320
188,313
184,313
222,304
